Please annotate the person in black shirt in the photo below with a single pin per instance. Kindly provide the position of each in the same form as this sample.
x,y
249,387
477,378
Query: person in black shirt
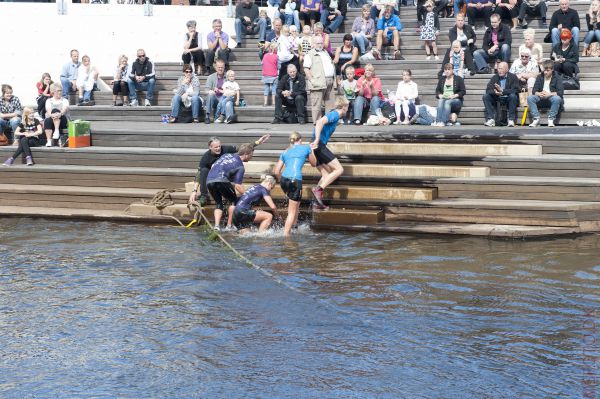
x,y
215,150
291,92
564,17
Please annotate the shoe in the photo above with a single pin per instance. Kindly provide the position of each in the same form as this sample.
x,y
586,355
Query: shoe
x,y
9,161
448,123
80,101
551,123
485,70
318,207
301,121
490,123
56,135
535,123
195,120
29,161
413,119
172,119
216,228
91,103
523,25
428,57
206,72
207,120
376,54
398,55
229,228
318,194
456,123
202,200
543,25
147,103
220,119
357,121
396,122
276,121
48,143
436,57
238,45
134,103
228,120
510,123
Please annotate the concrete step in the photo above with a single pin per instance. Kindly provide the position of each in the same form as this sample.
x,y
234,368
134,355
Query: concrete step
x,y
522,187
473,150
582,216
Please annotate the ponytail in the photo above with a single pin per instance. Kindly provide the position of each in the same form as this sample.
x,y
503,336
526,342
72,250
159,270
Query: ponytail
x,y
265,178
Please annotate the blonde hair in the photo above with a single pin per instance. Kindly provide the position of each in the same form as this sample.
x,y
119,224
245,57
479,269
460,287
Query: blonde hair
x,y
529,33
27,113
246,149
123,57
268,179
341,102
55,86
370,67
295,137
273,47
229,73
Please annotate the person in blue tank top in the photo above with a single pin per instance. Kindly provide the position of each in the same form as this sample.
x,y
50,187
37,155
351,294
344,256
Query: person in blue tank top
x,y
227,170
245,217
327,163
291,179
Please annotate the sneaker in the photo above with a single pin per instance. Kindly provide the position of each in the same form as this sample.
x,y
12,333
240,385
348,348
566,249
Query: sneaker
x,y
228,120
448,123
134,103
29,161
9,161
376,54
229,228
551,123
398,55
490,123
317,207
437,58
318,194
535,123
147,103
220,119
207,119
301,121
276,121
56,135
413,119
216,228
456,123
428,57
48,143
510,123
357,121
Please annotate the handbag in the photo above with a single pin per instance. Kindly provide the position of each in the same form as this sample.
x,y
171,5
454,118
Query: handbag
x,y
523,98
3,139
570,82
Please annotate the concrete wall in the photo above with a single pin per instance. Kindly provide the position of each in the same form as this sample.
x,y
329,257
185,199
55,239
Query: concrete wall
x,y
36,39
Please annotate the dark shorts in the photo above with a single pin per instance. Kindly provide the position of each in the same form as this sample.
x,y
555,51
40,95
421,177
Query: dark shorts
x,y
221,191
323,154
292,188
243,218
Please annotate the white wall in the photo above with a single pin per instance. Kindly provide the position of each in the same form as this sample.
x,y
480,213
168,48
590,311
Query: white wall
x,y
36,39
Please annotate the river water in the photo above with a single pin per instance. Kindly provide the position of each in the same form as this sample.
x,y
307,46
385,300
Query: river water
x,y
105,310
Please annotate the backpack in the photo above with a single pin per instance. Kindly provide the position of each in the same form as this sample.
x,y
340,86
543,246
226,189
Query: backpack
x,y
389,111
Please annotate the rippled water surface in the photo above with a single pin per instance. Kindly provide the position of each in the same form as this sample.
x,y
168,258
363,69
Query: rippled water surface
x,y
103,310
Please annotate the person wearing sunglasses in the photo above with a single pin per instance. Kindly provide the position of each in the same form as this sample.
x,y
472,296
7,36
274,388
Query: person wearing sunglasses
x,y
187,93
141,77
526,68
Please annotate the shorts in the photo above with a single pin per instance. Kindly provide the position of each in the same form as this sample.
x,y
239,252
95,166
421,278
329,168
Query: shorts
x,y
243,218
292,188
218,190
323,154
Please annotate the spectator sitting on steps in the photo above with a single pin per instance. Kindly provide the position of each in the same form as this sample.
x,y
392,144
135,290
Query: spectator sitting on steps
x,y
495,46
214,87
566,55
368,95
57,115
192,48
503,87
526,69
68,74
119,82
10,111
537,52
333,14
187,93
388,33
291,93
248,22
479,9
548,91
363,29
43,87
564,18
142,77
533,8
86,81
217,43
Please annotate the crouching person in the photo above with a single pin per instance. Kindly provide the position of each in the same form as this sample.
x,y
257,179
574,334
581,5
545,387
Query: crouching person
x,y
245,217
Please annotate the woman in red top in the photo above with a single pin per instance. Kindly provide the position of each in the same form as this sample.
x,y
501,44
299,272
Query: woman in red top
x,y
43,87
368,94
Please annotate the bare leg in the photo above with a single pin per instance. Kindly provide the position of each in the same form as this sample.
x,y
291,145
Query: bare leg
x,y
218,216
264,219
292,217
230,215
330,172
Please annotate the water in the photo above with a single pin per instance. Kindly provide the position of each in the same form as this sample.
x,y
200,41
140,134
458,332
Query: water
x,y
103,310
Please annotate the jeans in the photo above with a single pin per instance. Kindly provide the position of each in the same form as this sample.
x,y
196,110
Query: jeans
x,y
482,57
554,103
274,3
360,103
13,123
176,103
145,85
67,87
540,9
424,118
223,106
260,28
589,37
446,107
556,35
87,95
333,25
291,19
490,101
359,40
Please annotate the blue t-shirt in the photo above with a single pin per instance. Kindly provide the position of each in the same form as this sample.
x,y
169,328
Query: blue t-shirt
x,y
293,159
392,22
252,196
228,168
332,120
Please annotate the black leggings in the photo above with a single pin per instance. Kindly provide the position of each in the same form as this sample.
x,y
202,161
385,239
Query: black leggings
x,y
197,56
120,86
24,144
41,103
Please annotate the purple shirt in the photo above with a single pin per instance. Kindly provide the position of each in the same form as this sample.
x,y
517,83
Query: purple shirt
x,y
219,86
228,168
210,38
252,196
